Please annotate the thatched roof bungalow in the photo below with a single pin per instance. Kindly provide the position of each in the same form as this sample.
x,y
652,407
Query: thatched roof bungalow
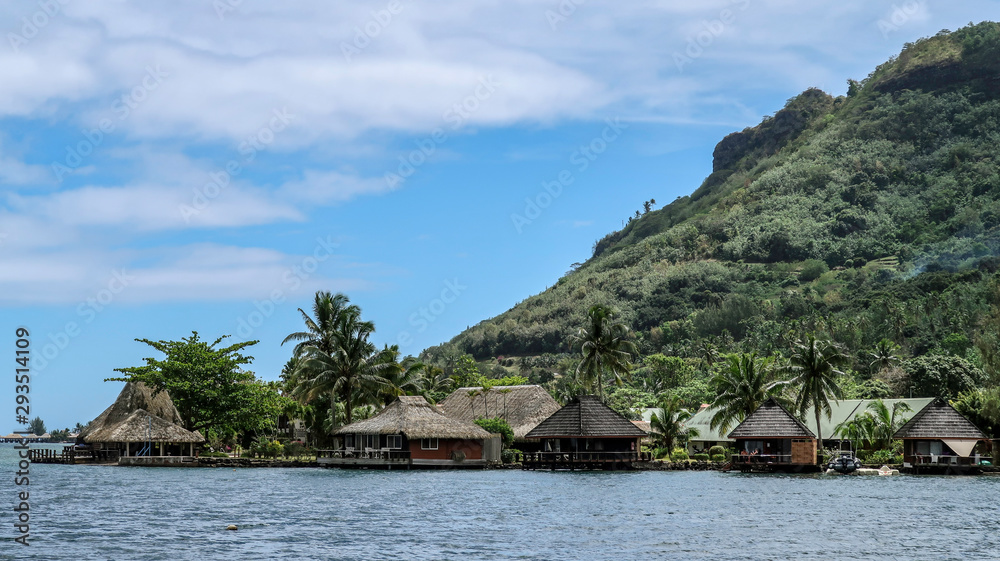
x,y
586,432
410,432
139,423
523,407
772,437
841,411
939,438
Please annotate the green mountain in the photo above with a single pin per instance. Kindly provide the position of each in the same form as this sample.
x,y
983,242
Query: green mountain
x,y
865,217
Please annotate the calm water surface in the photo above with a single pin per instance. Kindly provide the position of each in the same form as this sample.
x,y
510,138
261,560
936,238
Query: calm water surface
x,y
98,512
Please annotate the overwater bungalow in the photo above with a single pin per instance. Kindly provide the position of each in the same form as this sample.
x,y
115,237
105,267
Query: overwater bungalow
x,y
938,439
523,407
412,433
841,411
137,429
772,439
585,434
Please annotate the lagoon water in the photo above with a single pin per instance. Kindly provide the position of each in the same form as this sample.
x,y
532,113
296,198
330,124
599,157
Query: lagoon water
x,y
106,512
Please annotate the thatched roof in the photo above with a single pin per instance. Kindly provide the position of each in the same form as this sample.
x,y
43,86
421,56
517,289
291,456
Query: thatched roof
x,y
771,420
141,426
414,418
523,407
128,419
585,417
939,420
134,396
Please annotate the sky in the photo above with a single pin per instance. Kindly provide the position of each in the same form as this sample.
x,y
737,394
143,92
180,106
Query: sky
x,y
169,167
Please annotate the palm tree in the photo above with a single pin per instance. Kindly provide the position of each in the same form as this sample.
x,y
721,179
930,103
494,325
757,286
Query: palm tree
x,y
606,349
336,357
813,363
884,355
741,388
885,423
668,422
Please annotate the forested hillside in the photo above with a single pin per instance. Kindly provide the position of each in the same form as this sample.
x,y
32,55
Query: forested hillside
x,y
872,220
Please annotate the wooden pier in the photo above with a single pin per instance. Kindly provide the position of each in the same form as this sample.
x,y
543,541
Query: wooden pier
x,y
73,455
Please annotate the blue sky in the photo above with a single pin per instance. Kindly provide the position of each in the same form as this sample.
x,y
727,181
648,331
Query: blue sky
x,y
170,167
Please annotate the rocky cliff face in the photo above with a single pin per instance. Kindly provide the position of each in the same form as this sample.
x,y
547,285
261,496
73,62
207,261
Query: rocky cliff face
x,y
773,133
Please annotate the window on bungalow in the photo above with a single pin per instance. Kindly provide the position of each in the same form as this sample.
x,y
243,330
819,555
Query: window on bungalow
x,y
349,441
394,441
428,444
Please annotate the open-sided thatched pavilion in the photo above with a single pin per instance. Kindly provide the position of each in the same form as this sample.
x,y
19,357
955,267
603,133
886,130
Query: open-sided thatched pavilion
x,y
410,432
140,424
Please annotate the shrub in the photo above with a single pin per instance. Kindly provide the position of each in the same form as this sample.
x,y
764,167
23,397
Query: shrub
x,y
209,454
718,458
510,455
498,426
660,453
679,455
717,451
700,457
812,269
294,449
884,456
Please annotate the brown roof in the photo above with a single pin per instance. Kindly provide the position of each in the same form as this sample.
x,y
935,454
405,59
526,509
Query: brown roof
x,y
413,417
585,417
141,426
771,420
523,407
938,419
135,396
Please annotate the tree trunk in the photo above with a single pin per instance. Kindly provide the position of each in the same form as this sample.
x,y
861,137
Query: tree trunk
x,y
819,430
347,404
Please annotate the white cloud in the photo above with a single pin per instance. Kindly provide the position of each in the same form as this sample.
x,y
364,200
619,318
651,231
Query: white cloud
x,y
326,187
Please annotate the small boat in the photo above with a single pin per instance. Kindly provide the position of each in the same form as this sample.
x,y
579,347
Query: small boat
x,y
845,463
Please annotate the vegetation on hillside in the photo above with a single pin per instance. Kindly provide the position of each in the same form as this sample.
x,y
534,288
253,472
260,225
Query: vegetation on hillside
x,y
870,220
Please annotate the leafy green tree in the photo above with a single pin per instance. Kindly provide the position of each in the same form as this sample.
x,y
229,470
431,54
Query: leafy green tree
x,y
208,385
37,426
942,376
499,426
605,347
742,388
466,372
813,363
668,423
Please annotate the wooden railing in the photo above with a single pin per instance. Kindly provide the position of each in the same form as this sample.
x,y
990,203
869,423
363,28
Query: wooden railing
x,y
940,460
388,454
761,459
550,457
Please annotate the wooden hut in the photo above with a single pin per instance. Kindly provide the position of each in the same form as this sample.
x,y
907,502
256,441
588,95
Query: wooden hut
x,y
410,432
139,424
938,439
585,434
772,439
523,407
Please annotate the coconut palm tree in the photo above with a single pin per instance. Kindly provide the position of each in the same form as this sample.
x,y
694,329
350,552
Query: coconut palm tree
x,y
741,388
605,347
813,364
668,422
336,357
884,355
